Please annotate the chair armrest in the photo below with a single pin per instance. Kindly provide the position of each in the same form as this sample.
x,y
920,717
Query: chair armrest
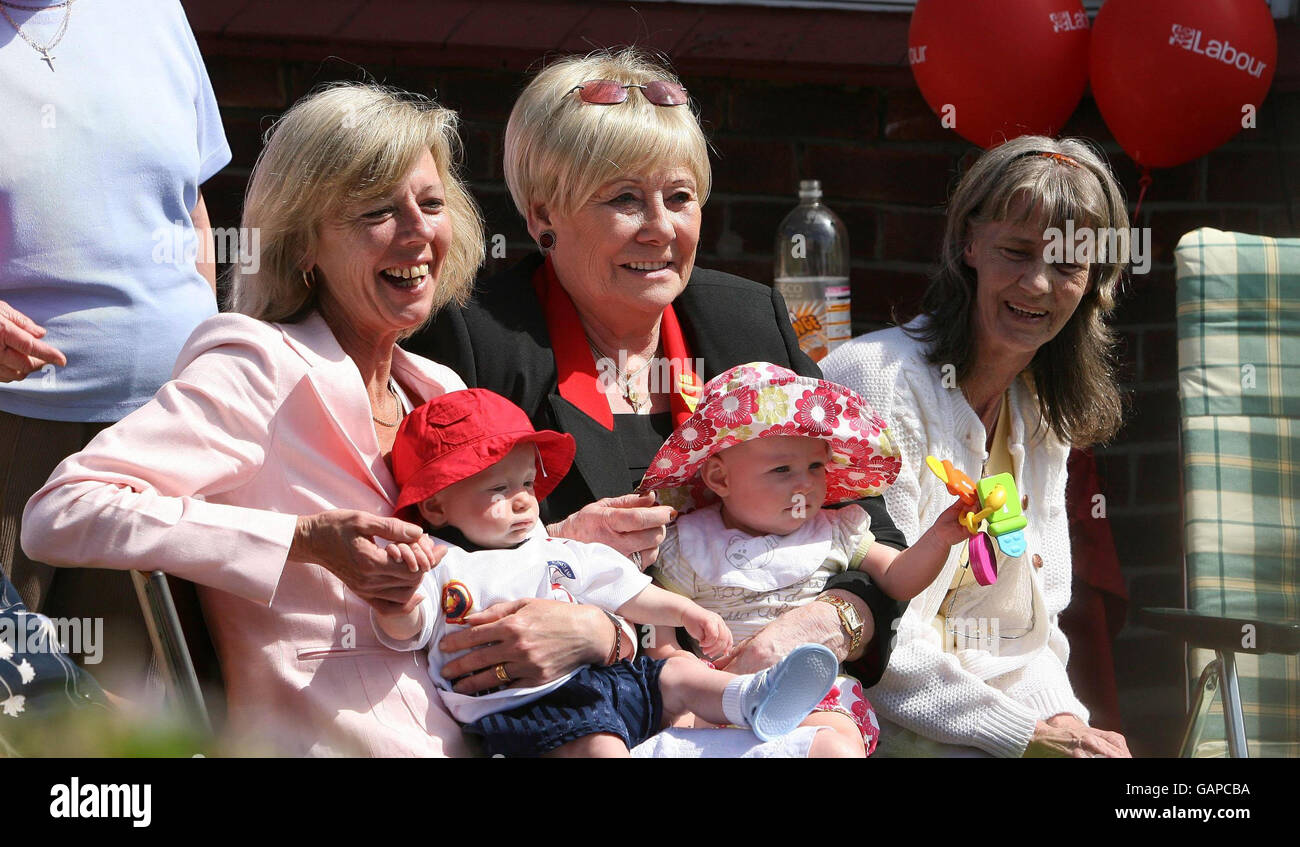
x,y
1236,635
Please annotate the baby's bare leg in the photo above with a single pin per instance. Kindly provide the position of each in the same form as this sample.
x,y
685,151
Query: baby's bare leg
x,y
844,741
686,684
601,745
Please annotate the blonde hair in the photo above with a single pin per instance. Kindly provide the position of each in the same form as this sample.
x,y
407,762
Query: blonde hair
x,y
346,144
560,150
1074,373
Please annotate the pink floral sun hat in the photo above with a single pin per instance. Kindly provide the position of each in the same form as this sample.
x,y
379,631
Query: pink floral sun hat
x,y
762,400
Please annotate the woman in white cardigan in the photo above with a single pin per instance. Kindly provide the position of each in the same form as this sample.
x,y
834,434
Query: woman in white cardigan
x,y
1009,364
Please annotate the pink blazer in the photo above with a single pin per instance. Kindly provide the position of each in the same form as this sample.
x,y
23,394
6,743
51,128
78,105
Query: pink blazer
x,y
260,423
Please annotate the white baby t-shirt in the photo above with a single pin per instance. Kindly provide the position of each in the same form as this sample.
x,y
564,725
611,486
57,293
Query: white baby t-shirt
x,y
464,583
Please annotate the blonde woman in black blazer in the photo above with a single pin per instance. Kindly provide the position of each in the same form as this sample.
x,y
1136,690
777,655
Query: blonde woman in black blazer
x,y
600,335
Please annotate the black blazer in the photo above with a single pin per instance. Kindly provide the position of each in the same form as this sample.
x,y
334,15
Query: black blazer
x,y
500,342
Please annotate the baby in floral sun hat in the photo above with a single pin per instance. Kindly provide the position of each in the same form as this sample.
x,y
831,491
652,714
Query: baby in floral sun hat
x,y
749,473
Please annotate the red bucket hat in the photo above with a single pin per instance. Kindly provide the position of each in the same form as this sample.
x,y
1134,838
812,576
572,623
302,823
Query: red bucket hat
x,y
455,436
762,400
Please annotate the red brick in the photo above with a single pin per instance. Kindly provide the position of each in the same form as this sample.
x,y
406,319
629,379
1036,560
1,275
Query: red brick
x,y
413,78
1251,177
758,271
246,82
223,194
1087,122
1277,122
303,77
1113,472
1159,355
291,20
755,222
881,175
653,26
913,236
1288,56
521,26
1279,223
761,36
860,222
1147,299
878,293
500,215
713,223
407,20
809,111
482,160
1168,185
844,39
484,96
1153,417
1127,350
760,167
244,135
909,118
1157,477
712,99
207,17
1167,227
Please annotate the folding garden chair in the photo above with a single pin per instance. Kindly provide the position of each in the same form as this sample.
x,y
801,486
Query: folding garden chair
x,y
1238,304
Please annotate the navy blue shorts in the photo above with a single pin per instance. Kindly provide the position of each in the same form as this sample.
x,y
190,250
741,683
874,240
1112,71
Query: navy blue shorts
x,y
622,699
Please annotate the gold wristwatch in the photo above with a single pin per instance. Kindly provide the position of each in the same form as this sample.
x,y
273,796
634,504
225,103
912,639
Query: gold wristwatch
x,y
850,620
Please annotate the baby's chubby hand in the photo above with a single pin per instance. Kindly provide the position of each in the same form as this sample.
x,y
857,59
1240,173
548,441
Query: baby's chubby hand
x,y
709,629
948,525
421,555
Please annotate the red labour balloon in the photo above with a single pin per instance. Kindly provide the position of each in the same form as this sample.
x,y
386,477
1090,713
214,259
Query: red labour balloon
x,y
1173,79
997,69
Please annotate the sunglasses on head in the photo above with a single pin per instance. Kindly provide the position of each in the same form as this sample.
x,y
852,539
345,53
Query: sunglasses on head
x,y
607,92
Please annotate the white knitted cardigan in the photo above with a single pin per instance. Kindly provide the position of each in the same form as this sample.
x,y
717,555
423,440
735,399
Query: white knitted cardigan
x,y
973,697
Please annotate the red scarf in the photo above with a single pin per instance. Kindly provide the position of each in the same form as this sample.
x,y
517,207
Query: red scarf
x,y
578,380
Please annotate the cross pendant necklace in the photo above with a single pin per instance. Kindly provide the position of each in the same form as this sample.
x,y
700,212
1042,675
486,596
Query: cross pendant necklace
x,y
58,36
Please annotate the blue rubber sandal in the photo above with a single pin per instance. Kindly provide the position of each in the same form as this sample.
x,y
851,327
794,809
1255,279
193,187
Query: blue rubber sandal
x,y
787,692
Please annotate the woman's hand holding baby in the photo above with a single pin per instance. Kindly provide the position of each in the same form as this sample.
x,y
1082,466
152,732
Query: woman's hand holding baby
x,y
343,542
630,524
419,556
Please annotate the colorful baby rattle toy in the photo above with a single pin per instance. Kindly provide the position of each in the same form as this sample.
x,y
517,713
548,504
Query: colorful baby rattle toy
x,y
998,502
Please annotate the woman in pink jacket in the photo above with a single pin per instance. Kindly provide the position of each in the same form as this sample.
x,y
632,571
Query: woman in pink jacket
x,y
260,471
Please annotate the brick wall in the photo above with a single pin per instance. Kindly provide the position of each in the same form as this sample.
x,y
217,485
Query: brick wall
x,y
886,167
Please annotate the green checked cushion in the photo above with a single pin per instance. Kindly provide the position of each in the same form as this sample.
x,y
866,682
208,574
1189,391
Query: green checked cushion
x,y
1239,385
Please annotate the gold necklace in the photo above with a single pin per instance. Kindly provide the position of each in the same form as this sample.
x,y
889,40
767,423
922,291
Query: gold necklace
x,y
58,36
392,391
624,380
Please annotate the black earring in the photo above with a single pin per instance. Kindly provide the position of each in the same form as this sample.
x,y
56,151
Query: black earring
x,y
546,240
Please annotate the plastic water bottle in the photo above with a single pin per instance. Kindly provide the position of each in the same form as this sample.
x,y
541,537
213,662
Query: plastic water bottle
x,y
812,272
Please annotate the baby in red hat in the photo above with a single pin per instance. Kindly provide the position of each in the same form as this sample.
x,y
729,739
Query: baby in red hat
x,y
749,473
473,466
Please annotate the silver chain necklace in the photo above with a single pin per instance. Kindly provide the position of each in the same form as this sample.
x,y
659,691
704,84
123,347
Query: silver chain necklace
x,y
58,36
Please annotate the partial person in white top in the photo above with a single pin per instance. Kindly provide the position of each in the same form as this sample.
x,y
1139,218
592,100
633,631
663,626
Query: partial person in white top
x,y
1010,330
109,129
101,217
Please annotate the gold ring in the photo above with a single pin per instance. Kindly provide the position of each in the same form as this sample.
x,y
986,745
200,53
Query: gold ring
x,y
500,670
